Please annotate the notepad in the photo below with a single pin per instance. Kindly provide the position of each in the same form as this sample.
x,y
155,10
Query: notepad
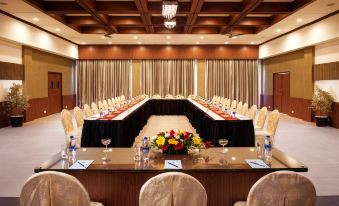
x,y
81,164
257,163
173,164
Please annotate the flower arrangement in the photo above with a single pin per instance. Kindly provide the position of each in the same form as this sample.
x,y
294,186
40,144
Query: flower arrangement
x,y
176,142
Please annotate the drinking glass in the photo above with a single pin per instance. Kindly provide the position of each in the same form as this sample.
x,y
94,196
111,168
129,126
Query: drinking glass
x,y
106,142
64,152
137,156
223,143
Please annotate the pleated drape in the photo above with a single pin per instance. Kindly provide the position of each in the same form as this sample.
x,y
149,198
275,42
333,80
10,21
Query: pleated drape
x,y
102,79
235,79
167,77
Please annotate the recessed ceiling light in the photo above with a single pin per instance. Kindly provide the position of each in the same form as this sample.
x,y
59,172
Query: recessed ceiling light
x,y
35,19
103,37
226,42
139,42
135,37
168,42
252,42
110,42
202,37
299,20
197,42
278,30
168,37
57,29
234,37
83,42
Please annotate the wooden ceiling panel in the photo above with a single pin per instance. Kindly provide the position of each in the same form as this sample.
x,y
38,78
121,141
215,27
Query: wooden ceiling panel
x,y
193,16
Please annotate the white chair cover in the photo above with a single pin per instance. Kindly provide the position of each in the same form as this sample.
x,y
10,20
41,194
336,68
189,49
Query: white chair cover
x,y
105,105
261,119
239,107
87,110
282,188
54,189
179,96
67,123
156,96
244,109
79,117
272,124
95,108
228,103
233,105
100,105
252,113
169,96
172,189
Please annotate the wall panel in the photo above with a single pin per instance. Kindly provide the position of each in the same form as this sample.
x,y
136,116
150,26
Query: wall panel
x,y
168,52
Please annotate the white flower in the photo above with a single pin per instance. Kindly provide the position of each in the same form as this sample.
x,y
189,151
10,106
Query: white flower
x,y
177,137
167,134
153,138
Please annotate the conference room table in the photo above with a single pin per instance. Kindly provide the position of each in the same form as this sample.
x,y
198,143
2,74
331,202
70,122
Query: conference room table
x,y
226,177
208,123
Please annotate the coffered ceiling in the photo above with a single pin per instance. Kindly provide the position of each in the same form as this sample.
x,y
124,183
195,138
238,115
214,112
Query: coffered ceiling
x,y
140,21
236,17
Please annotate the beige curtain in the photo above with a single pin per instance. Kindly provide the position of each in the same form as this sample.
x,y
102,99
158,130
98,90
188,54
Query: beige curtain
x,y
235,79
167,77
102,79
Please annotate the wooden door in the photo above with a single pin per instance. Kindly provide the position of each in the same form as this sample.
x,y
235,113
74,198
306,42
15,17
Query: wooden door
x,y
281,92
54,92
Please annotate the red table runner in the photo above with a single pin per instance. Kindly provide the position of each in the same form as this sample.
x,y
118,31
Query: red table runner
x,y
216,111
114,114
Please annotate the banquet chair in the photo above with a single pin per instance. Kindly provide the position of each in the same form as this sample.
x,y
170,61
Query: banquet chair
x,y
261,119
233,105
228,104
156,96
239,107
54,188
169,96
105,104
100,105
221,100
244,109
252,112
179,96
224,102
191,96
79,119
282,188
272,124
123,98
110,103
144,96
172,188
67,123
87,110
95,108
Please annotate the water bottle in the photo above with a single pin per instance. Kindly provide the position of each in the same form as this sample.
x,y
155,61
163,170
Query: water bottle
x,y
268,150
72,143
234,114
145,149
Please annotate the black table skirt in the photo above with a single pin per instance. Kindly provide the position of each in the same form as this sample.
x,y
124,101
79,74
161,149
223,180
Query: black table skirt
x,y
240,133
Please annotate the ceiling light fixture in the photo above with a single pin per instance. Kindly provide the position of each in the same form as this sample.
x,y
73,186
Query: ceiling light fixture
x,y
169,9
202,37
168,37
35,19
139,42
57,29
278,30
110,42
299,20
170,24
135,37
83,42
234,37
168,42
197,42
103,37
226,42
252,42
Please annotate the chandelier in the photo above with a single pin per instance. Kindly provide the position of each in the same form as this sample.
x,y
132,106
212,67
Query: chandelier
x,y
170,24
169,9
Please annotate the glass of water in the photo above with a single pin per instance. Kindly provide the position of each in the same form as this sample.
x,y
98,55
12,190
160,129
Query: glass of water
x,y
223,143
63,152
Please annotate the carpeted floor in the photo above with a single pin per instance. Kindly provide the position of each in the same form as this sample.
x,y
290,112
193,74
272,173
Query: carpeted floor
x,y
22,149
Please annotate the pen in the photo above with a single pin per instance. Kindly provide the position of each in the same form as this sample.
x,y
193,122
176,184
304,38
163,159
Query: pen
x,y
258,164
172,164
81,164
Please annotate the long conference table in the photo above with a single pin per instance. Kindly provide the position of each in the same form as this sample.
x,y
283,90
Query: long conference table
x,y
227,178
209,123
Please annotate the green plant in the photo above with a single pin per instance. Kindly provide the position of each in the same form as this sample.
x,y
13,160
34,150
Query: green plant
x,y
16,100
322,102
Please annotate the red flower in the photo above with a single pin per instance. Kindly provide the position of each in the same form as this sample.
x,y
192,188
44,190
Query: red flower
x,y
179,146
164,148
172,133
207,144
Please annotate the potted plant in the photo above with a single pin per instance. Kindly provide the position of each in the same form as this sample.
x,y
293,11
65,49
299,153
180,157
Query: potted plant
x,y
16,104
322,105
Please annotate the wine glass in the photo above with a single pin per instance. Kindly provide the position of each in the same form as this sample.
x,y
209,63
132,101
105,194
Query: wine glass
x,y
106,142
223,143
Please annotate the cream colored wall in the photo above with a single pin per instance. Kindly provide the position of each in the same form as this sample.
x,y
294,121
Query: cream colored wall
x,y
135,78
299,64
317,33
201,77
38,64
